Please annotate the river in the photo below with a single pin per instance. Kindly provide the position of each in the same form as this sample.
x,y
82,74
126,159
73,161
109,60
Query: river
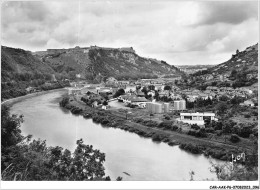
x,y
127,152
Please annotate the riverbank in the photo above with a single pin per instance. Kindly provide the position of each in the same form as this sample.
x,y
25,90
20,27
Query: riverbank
x,y
12,101
213,148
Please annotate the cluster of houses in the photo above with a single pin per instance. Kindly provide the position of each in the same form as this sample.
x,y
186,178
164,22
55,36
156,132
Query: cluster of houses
x,y
216,92
228,91
136,98
133,100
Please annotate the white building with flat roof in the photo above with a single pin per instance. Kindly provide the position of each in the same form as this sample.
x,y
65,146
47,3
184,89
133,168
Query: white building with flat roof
x,y
196,118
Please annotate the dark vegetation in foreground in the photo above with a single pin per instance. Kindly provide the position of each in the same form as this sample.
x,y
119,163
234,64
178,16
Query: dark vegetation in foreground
x,y
32,160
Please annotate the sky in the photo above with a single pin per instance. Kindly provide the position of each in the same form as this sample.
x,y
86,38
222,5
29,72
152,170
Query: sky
x,y
178,32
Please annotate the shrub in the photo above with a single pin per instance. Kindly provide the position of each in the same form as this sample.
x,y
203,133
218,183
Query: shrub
x,y
87,115
234,138
150,123
254,113
157,137
141,133
245,131
76,110
255,132
166,139
247,116
64,101
219,132
200,134
174,128
138,120
195,126
167,117
165,124
191,148
209,130
172,143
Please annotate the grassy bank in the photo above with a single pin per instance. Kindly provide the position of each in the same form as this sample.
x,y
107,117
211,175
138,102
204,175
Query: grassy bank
x,y
170,134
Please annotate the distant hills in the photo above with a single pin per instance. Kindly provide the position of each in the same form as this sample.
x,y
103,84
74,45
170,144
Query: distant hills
x,y
246,61
92,63
21,69
240,70
190,69
16,62
95,63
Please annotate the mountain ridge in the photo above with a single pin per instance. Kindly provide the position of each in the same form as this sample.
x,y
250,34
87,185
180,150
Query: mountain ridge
x,y
121,63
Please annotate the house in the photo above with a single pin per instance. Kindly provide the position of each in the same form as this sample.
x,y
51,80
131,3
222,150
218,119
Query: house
x,y
213,88
95,104
204,96
163,93
132,99
151,92
248,103
140,94
158,87
175,96
192,97
123,82
111,80
196,118
74,91
104,107
245,90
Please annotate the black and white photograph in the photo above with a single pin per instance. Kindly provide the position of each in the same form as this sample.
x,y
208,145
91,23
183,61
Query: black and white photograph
x,y
136,94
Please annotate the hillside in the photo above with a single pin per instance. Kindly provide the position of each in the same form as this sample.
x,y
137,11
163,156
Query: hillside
x,y
190,69
246,60
16,62
93,62
240,70
20,70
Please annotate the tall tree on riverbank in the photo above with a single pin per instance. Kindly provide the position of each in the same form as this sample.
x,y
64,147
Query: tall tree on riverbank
x,y
24,159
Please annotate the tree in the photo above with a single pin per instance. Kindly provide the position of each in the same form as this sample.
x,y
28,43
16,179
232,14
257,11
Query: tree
x,y
105,103
233,73
223,98
236,100
234,138
23,159
167,87
119,93
221,108
10,128
226,129
151,115
138,87
151,87
144,90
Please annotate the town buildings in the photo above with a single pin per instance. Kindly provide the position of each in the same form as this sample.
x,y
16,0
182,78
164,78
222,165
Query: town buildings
x,y
180,105
155,107
196,118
